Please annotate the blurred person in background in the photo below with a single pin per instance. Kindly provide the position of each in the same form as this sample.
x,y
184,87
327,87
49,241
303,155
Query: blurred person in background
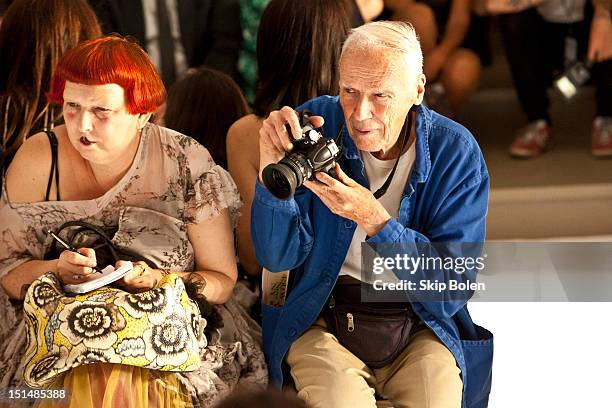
x,y
28,63
204,104
600,38
178,34
451,47
362,11
600,52
298,51
542,38
3,6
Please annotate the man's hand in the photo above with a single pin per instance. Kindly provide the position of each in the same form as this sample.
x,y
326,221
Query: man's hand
x,y
347,198
600,40
274,140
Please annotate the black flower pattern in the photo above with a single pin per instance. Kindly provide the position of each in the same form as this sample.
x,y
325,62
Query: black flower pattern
x,y
44,370
153,304
167,343
151,301
89,322
45,295
92,356
170,337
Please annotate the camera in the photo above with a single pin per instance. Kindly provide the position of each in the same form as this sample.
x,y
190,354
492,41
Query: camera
x,y
576,75
311,153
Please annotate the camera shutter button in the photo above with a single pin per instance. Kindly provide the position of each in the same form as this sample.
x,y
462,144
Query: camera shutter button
x,y
313,135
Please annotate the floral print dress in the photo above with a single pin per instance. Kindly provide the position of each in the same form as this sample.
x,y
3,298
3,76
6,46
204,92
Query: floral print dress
x,y
172,182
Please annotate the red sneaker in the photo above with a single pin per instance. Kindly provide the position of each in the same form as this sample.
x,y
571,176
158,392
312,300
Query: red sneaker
x,y
532,140
601,141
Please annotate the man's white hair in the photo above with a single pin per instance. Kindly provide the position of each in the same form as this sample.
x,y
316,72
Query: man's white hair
x,y
396,36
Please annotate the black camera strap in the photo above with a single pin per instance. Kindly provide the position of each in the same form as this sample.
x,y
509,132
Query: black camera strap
x,y
407,127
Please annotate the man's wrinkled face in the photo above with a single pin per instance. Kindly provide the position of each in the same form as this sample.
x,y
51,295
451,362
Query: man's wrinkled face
x,y
377,90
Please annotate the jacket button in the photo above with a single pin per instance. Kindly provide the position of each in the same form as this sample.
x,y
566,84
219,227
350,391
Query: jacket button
x,y
292,332
327,281
348,224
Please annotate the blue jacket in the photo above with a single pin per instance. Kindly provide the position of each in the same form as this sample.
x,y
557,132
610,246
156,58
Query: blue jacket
x,y
445,200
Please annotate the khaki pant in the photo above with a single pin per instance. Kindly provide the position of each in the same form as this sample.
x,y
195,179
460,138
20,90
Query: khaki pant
x,y
326,374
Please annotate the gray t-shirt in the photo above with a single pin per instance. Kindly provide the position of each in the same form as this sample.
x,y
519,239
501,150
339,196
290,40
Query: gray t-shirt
x,y
562,11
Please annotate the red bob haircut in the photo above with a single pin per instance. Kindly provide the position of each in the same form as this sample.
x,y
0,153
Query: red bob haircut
x,y
111,60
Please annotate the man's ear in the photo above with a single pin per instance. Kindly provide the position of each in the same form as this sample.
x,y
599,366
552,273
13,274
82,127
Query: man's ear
x,y
143,118
420,89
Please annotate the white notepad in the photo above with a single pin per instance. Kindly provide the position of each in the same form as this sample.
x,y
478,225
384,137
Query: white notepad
x,y
108,276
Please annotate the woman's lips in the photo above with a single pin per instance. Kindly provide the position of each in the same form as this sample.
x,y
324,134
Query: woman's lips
x,y
86,142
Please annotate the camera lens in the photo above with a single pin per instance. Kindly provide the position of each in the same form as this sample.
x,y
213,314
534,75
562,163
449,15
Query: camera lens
x,y
280,180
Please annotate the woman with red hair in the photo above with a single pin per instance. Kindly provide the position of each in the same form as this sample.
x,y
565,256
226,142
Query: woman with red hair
x,y
157,192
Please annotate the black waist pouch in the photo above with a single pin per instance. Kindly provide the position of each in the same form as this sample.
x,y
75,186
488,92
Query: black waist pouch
x,y
374,332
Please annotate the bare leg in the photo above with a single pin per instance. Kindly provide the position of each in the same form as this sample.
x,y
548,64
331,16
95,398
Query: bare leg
x,y
421,17
370,9
460,77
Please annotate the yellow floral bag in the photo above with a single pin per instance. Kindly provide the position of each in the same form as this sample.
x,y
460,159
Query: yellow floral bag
x,y
160,329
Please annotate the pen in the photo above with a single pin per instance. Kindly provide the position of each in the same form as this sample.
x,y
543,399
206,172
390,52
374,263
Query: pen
x,y
68,247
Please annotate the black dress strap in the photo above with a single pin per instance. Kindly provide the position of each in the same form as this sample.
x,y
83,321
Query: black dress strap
x,y
2,170
54,167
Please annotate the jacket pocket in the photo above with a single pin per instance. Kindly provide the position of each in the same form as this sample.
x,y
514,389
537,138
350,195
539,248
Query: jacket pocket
x,y
478,356
269,320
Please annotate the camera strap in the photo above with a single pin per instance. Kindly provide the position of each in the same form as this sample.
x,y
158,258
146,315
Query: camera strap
x,y
407,127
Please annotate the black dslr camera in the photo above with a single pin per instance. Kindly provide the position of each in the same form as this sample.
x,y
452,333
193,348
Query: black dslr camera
x,y
311,153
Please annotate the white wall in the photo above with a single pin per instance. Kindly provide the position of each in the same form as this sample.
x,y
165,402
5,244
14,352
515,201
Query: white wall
x,y
549,354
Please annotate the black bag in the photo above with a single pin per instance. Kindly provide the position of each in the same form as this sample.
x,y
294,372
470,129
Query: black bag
x,y
74,232
376,333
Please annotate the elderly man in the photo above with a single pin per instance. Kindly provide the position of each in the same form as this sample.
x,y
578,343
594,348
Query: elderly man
x,y
437,193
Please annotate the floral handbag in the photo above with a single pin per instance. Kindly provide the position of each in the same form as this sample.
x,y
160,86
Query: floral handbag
x,y
160,329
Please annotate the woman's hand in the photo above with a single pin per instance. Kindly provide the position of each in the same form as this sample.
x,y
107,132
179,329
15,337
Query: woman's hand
x,y
74,268
140,279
